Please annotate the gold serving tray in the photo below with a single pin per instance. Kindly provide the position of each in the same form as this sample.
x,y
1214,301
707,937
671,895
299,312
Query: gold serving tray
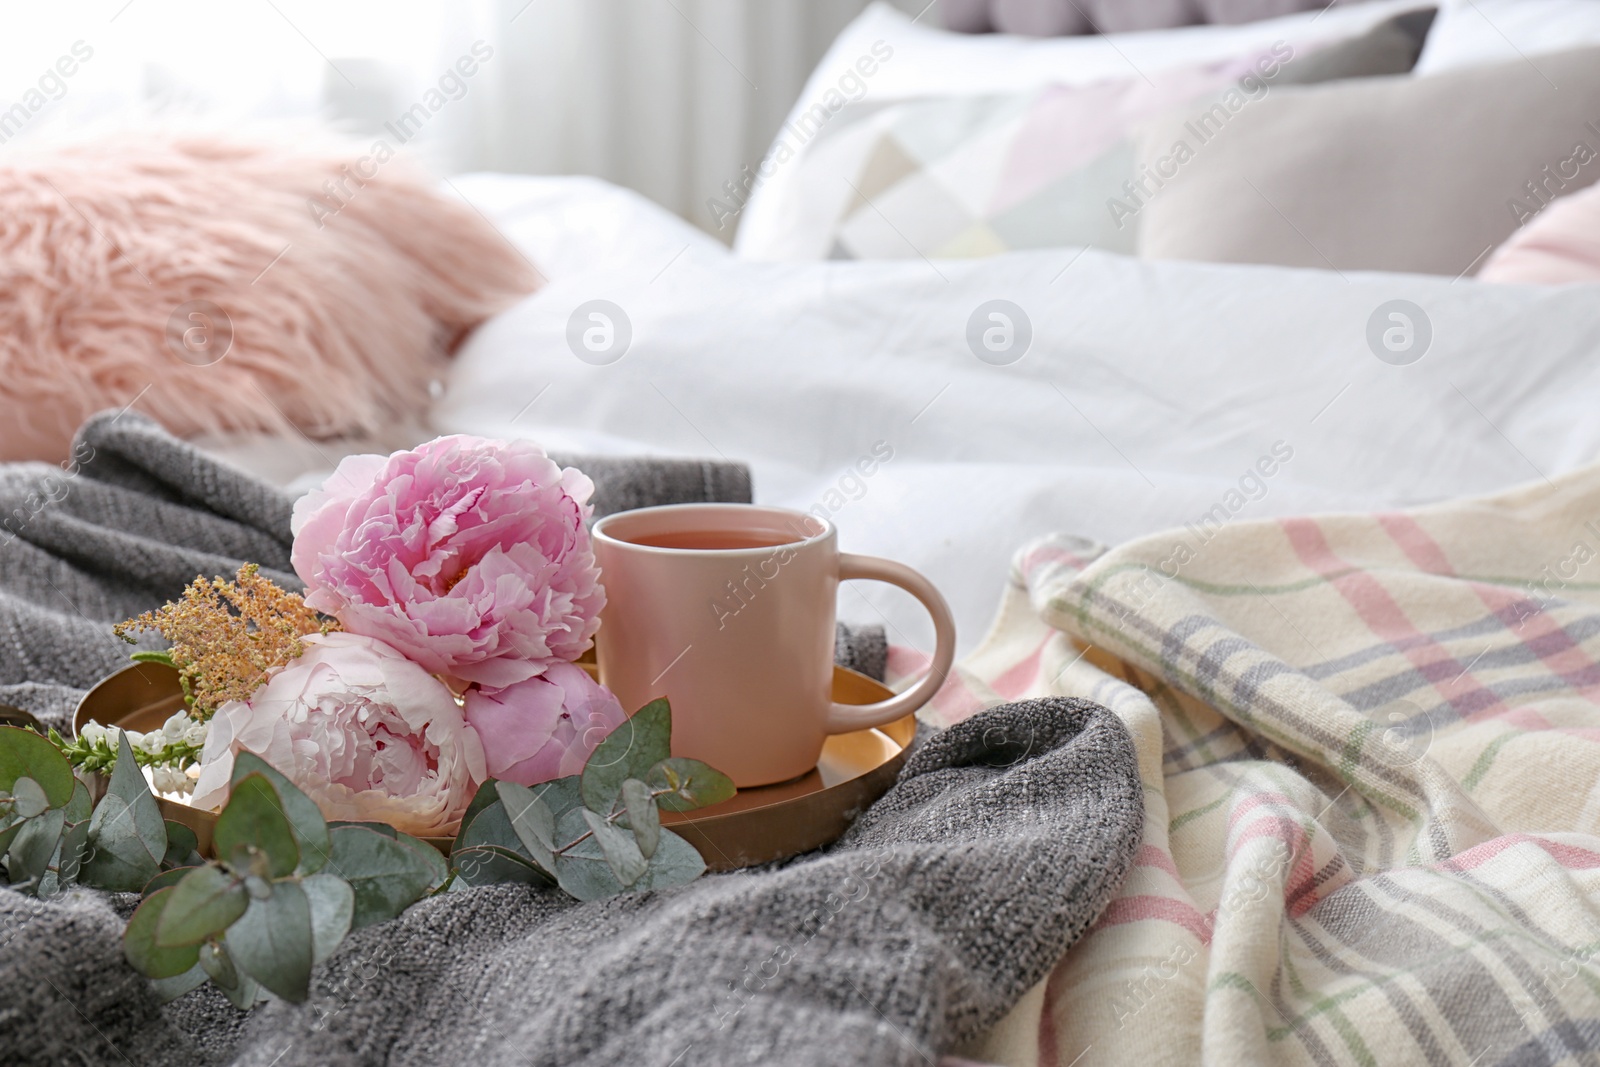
x,y
758,825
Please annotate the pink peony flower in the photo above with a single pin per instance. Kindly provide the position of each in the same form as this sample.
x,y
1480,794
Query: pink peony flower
x,y
543,728
366,733
470,556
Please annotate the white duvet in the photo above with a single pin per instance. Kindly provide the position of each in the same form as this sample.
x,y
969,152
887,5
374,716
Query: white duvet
x,y
1151,395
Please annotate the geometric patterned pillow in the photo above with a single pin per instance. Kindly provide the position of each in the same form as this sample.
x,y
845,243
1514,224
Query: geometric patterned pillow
x,y
963,176
957,177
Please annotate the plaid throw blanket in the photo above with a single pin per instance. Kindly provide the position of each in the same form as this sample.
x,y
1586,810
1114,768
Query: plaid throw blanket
x,y
1370,746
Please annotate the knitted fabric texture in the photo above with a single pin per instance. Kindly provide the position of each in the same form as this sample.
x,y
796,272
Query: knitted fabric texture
x,y
997,848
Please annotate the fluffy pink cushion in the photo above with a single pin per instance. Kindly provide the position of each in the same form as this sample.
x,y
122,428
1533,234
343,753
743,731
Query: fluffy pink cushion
x,y
1561,244
343,304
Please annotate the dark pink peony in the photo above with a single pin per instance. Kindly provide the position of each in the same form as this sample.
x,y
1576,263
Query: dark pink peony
x,y
543,728
469,556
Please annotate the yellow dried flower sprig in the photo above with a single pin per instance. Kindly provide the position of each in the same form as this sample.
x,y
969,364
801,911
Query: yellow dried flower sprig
x,y
227,636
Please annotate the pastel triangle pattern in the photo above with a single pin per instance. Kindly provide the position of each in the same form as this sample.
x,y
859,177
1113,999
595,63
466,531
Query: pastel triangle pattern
x,y
977,176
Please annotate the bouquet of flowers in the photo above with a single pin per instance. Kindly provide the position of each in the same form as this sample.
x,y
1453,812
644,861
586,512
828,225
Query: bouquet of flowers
x,y
425,686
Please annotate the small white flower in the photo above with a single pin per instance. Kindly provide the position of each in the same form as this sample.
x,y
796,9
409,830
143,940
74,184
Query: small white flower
x,y
114,737
168,780
195,735
92,733
175,726
152,742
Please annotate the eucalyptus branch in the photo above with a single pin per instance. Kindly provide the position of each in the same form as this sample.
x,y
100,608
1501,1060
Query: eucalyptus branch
x,y
611,820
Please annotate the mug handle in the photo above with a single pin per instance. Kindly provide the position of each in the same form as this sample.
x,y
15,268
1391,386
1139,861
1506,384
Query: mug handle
x,y
846,718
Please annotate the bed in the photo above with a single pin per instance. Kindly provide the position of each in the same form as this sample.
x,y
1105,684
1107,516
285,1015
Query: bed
x,y
1039,383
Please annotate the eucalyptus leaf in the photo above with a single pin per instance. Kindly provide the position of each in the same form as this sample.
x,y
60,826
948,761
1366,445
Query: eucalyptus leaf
x,y
117,859
148,956
686,784
127,836
620,849
218,966
676,862
183,847
428,854
485,796
166,878
531,820
170,989
333,905
561,795
9,829
32,848
80,807
253,822
493,827
70,854
28,799
205,902
127,782
494,865
387,876
25,754
629,751
240,989
272,941
425,851
244,995
305,818
586,879
644,818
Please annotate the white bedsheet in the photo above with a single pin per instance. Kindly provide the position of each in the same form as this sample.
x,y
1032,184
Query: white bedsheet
x,y
1149,393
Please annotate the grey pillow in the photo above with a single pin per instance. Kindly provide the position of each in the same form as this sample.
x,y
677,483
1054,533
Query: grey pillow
x,y
1039,18
1050,18
1129,16
1390,47
1421,175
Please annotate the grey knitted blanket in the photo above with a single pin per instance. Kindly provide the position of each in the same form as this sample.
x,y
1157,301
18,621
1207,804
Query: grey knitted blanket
x,y
1001,842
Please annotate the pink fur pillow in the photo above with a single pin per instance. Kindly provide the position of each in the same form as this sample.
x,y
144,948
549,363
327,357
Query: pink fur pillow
x,y
1562,244
229,283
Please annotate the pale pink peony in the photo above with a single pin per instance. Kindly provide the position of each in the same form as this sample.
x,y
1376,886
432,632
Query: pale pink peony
x,y
470,556
543,728
363,731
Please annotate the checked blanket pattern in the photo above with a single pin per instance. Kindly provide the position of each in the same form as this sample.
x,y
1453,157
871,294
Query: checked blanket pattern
x,y
1370,748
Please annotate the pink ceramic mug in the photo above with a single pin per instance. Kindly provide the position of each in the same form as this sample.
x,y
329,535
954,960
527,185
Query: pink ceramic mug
x,y
728,611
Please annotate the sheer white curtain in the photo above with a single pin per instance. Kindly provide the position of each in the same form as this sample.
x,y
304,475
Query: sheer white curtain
x,y
670,97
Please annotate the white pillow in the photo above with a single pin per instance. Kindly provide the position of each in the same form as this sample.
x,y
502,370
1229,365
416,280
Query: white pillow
x,y
569,224
885,55
1468,33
